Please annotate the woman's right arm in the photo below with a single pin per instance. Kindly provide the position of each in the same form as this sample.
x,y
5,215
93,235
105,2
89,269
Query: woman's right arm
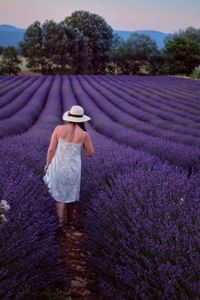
x,y
87,144
52,147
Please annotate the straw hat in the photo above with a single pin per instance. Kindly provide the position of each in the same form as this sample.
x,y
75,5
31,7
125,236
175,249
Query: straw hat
x,y
75,114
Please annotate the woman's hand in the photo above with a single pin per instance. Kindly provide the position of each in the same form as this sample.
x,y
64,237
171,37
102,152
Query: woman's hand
x,y
46,167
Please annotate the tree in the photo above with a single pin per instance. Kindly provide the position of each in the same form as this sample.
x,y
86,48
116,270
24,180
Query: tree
x,y
55,48
182,51
2,71
191,33
80,44
78,50
10,61
138,55
32,47
1,49
99,37
114,54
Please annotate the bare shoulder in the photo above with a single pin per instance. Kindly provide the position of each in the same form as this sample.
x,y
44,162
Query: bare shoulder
x,y
86,136
58,127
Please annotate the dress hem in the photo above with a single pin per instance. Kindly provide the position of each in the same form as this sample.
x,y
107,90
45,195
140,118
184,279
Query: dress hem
x,y
65,202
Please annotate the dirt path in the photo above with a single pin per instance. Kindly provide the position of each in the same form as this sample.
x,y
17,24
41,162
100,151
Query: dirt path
x,y
82,281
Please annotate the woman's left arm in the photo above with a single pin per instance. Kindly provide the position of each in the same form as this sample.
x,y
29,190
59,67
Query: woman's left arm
x,y
52,147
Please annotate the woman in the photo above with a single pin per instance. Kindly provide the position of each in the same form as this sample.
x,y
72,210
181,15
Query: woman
x,y
63,165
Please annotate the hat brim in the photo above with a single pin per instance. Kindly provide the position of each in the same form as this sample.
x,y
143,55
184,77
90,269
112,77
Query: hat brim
x,y
66,117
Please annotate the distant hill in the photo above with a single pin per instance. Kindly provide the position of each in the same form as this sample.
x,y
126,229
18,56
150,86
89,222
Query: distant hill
x,y
11,35
155,35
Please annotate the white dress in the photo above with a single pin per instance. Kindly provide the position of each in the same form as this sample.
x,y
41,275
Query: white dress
x,y
63,175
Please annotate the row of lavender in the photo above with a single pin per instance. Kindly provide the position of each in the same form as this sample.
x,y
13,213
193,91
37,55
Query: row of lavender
x,y
31,257
136,207
141,216
141,121
108,120
149,102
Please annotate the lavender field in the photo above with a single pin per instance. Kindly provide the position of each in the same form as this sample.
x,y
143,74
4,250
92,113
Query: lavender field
x,y
140,193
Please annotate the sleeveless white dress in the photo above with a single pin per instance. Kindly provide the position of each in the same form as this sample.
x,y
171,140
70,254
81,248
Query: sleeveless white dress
x,y
63,175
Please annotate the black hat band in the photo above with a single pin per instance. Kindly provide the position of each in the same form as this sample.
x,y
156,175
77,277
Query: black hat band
x,y
77,116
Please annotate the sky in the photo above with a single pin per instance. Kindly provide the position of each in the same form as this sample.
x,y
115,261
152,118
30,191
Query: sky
x,y
162,15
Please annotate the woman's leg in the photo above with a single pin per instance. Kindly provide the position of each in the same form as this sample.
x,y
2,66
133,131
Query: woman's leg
x,y
70,212
65,209
60,211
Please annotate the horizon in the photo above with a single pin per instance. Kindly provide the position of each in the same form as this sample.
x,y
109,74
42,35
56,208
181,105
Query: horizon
x,y
126,15
112,28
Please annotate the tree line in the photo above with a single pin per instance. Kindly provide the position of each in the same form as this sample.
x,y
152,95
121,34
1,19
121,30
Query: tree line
x,y
85,44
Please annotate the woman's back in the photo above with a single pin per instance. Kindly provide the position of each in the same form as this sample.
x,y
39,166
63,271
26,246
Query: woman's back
x,y
71,132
